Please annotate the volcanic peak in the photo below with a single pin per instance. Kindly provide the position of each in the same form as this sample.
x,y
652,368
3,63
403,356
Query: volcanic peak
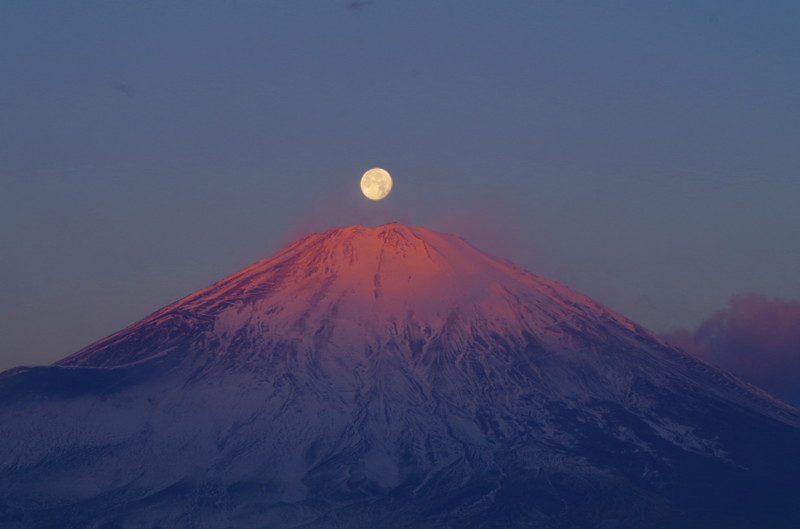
x,y
358,285
391,377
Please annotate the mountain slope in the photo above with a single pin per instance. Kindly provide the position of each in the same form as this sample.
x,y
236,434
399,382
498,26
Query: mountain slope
x,y
390,377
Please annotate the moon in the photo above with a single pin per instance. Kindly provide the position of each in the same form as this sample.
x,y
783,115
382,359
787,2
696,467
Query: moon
x,y
376,183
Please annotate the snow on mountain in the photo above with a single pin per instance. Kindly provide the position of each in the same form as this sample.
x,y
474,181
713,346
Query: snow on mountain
x,y
389,377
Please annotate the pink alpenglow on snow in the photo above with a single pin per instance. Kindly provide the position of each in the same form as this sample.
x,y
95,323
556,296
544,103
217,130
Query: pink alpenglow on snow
x,y
391,280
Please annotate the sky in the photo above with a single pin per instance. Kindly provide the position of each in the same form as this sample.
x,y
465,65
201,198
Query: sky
x,y
643,153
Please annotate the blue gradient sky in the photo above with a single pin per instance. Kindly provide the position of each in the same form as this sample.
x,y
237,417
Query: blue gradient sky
x,y
644,153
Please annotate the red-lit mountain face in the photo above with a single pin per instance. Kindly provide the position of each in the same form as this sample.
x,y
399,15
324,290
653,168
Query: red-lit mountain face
x,y
390,377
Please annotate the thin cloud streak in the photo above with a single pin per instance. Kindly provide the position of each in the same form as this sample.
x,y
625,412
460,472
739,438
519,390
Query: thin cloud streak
x,y
358,5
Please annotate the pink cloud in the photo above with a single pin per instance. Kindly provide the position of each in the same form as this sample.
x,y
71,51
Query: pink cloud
x,y
754,337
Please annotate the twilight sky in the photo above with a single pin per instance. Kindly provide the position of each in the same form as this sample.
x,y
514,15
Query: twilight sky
x,y
644,153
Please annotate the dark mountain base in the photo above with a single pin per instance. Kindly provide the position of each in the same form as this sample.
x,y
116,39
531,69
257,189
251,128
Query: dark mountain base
x,y
540,500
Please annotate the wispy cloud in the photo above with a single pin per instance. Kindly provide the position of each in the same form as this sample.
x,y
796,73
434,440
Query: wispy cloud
x,y
358,5
123,88
754,337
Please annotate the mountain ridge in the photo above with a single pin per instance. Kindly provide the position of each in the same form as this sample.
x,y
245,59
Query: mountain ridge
x,y
415,247
390,374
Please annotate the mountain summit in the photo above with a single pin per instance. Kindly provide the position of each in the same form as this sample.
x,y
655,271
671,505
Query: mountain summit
x,y
369,286
390,377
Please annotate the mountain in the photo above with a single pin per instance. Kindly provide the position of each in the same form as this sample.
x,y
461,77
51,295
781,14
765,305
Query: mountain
x,y
390,377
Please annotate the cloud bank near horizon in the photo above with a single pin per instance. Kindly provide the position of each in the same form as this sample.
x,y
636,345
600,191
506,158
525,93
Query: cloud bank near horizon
x,y
755,338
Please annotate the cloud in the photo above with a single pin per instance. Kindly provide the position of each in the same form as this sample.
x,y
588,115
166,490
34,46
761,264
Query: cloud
x,y
358,5
123,88
754,337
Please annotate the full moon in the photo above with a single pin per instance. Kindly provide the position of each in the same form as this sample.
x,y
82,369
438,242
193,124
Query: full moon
x,y
376,183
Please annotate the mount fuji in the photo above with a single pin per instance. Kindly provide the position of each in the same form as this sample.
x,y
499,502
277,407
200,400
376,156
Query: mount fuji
x,y
390,377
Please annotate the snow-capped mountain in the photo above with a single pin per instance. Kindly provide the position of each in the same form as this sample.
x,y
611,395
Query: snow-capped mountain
x,y
390,377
